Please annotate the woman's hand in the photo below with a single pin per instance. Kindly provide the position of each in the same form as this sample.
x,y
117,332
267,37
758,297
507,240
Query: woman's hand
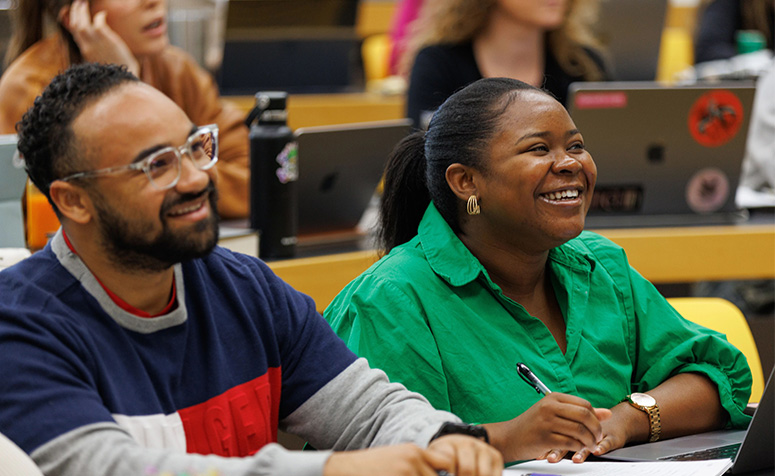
x,y
688,404
616,432
96,40
552,426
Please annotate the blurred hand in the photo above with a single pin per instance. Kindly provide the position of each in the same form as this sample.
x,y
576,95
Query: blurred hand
x,y
552,426
464,456
96,40
457,454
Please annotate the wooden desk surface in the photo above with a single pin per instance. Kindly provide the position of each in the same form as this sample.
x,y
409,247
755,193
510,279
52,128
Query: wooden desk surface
x,y
662,255
306,110
708,253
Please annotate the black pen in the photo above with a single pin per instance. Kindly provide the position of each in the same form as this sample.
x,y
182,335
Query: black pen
x,y
531,379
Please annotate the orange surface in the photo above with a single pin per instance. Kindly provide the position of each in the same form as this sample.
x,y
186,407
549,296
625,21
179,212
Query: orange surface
x,y
42,222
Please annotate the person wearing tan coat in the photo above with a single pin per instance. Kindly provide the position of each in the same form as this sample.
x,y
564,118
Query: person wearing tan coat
x,y
132,33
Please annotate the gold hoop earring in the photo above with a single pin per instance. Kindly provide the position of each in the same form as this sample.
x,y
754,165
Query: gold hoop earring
x,y
472,207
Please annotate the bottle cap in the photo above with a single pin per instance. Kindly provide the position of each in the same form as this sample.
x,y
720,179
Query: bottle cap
x,y
270,107
749,41
271,100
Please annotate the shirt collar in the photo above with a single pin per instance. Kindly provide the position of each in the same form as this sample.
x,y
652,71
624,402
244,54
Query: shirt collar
x,y
120,302
447,255
73,264
452,261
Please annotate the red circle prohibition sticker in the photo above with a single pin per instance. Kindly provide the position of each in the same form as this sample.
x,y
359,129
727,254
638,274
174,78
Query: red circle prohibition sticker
x,y
715,118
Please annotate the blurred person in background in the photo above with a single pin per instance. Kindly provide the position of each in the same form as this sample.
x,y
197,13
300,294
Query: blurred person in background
x,y
406,12
755,192
543,43
719,21
758,175
131,33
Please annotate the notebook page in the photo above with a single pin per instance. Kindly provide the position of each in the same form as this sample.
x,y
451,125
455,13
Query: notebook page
x,y
609,468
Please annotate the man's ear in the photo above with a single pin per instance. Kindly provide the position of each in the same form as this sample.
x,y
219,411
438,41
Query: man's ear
x,y
72,201
462,180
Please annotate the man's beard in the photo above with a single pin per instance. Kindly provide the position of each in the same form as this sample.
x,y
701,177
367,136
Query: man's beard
x,y
130,248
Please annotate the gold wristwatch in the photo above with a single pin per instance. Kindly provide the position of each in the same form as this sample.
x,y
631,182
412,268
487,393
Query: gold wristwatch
x,y
646,403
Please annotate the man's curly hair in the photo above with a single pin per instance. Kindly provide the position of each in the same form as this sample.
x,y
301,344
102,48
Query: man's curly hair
x,y
46,138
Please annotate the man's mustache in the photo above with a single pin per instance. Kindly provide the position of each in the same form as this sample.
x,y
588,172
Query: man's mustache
x,y
167,205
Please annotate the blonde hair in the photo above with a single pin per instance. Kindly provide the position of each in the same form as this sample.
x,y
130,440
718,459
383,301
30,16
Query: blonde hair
x,y
457,21
31,22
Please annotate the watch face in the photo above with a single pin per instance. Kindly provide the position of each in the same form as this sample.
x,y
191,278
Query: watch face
x,y
643,399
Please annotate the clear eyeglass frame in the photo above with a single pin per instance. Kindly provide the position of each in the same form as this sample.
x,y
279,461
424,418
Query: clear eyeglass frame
x,y
163,167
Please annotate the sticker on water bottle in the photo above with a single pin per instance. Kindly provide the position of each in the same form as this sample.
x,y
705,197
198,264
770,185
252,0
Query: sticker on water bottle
x,y
288,159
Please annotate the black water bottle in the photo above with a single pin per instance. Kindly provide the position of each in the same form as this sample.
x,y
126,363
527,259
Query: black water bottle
x,y
273,173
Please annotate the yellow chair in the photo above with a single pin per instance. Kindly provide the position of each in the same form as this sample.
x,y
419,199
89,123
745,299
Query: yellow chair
x,y
376,57
675,54
723,316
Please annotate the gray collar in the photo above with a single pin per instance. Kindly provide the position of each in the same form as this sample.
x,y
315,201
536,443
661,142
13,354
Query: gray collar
x,y
73,264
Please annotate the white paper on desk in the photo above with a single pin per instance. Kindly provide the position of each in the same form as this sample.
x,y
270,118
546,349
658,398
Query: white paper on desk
x,y
712,467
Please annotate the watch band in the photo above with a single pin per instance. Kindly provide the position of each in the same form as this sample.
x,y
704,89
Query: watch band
x,y
452,428
655,422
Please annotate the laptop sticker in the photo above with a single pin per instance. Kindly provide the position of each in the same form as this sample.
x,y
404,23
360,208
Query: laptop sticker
x,y
288,160
715,118
601,100
708,190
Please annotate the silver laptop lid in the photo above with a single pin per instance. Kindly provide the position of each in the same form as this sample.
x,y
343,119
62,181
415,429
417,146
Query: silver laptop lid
x,y
663,153
756,452
339,170
12,180
632,53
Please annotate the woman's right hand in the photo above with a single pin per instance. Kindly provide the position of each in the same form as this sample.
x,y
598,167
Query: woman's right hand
x,y
95,39
555,424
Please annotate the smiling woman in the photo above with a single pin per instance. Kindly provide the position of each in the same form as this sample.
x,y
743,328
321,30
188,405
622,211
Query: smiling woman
x,y
488,265
538,181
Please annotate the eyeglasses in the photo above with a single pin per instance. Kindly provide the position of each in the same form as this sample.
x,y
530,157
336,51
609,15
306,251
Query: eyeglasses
x,y
163,166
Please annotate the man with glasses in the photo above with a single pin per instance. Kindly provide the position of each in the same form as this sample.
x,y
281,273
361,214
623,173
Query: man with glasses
x,y
132,345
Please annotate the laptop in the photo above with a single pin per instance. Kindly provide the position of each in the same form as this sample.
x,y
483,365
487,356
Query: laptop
x,y
13,178
632,54
340,168
665,155
750,450
298,46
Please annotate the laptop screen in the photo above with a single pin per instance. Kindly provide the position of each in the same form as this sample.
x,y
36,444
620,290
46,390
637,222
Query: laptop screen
x,y
299,46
